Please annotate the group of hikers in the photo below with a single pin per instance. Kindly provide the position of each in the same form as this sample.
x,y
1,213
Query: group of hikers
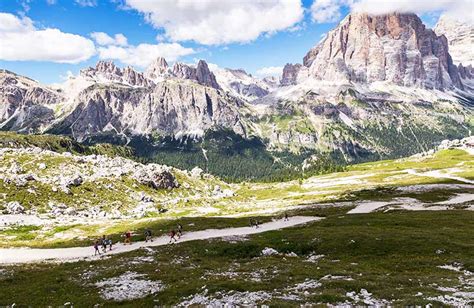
x,y
255,223
105,242
174,234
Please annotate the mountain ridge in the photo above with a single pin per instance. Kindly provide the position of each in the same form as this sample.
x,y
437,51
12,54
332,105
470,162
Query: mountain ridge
x,y
348,108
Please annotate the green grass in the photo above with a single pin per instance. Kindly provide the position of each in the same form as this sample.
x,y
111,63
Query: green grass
x,y
33,236
392,255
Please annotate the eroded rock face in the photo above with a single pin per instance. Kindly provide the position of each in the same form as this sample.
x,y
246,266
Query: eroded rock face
x,y
242,84
466,72
169,109
396,48
201,73
183,71
25,105
158,179
204,76
290,74
107,71
460,37
158,68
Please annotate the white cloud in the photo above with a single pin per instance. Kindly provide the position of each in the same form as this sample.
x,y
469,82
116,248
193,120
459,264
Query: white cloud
x,y
269,71
214,22
142,55
89,3
104,39
326,10
22,41
329,10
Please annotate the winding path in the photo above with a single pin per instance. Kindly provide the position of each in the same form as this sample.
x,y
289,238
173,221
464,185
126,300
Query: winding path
x,y
30,255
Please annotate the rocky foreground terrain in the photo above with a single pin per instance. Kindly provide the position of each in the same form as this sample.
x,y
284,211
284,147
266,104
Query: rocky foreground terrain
x,y
68,188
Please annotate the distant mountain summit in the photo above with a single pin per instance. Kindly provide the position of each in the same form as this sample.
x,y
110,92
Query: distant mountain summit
x,y
394,48
460,37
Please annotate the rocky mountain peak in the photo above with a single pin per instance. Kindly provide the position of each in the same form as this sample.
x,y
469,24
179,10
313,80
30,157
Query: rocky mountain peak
x,y
201,73
183,71
460,37
107,71
395,48
158,68
107,67
290,73
205,76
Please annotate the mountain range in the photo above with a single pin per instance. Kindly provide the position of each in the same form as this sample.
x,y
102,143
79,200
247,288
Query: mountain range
x,y
375,87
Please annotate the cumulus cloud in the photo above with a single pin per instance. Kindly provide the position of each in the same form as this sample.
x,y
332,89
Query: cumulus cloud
x,y
270,71
142,55
329,10
323,11
214,22
22,41
104,39
462,9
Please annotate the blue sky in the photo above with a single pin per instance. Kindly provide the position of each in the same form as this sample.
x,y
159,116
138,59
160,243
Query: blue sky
x,y
280,38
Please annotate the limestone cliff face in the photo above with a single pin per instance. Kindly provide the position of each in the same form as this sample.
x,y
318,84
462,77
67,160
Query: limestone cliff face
x,y
396,48
158,68
460,37
201,73
107,71
25,105
290,73
169,109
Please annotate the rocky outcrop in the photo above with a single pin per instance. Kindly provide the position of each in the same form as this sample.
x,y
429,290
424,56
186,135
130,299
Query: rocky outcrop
x,y
201,73
466,72
242,84
168,109
107,71
204,76
183,71
395,48
158,178
460,37
157,69
25,105
290,73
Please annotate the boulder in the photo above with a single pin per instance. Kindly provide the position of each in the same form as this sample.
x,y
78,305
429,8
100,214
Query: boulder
x,y
14,207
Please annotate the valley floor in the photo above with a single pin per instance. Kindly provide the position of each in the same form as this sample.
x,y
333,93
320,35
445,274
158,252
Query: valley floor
x,y
397,258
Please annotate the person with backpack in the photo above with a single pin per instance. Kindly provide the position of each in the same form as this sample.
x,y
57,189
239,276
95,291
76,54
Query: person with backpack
x,y
172,235
109,242
180,230
103,243
96,247
148,235
251,223
128,238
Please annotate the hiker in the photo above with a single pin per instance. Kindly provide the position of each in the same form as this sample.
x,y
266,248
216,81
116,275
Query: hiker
x,y
96,247
172,235
109,242
148,235
180,230
128,238
103,243
251,222
286,217
256,224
